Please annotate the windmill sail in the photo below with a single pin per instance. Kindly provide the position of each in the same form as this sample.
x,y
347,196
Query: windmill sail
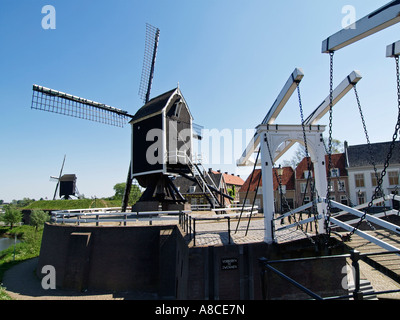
x,y
150,53
59,102
149,61
58,179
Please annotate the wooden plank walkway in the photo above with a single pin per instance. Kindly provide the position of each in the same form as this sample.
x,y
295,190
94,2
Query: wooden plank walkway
x,y
388,264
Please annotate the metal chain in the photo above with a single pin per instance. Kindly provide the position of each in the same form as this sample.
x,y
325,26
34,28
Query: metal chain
x,y
390,153
280,185
328,193
312,187
371,154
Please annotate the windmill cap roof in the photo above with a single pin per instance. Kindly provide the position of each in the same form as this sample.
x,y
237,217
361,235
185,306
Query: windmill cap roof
x,y
155,105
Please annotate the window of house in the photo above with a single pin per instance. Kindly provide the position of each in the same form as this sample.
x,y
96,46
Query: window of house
x,y
359,179
341,186
343,200
306,199
283,188
393,178
303,187
331,186
307,173
361,197
192,189
374,179
335,172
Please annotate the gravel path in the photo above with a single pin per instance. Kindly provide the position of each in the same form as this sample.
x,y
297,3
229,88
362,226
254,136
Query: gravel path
x,y
21,283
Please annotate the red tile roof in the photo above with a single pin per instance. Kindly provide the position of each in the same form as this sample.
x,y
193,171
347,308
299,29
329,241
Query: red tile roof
x,y
287,179
232,179
338,161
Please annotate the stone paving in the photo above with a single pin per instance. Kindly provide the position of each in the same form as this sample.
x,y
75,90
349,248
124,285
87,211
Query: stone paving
x,y
211,233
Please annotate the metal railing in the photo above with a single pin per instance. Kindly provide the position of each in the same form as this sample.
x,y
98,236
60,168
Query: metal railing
x,y
355,257
188,224
106,215
334,222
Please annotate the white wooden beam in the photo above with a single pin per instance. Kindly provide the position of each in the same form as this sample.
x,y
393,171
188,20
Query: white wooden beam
x,y
244,160
376,21
284,96
368,217
393,50
340,91
364,235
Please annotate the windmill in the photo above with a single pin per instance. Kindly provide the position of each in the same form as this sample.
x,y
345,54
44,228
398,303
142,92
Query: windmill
x,y
153,162
66,184
149,61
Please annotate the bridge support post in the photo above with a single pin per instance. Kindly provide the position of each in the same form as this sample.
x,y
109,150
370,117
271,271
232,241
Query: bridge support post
x,y
271,137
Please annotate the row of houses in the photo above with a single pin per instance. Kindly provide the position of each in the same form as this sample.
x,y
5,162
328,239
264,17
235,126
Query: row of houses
x,y
225,182
353,178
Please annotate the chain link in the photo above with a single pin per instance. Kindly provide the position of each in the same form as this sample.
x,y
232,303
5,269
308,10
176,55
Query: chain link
x,y
280,190
389,155
328,193
309,178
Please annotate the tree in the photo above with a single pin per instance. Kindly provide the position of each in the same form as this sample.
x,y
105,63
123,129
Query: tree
x,y
300,154
38,218
134,195
11,216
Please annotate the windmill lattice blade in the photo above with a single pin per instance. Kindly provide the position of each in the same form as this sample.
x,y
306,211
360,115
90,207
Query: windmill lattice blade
x,y
62,103
150,52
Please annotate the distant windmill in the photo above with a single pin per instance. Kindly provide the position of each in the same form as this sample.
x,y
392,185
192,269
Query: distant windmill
x,y
66,184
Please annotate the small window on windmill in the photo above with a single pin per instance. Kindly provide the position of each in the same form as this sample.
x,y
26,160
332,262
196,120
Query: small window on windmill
x,y
178,108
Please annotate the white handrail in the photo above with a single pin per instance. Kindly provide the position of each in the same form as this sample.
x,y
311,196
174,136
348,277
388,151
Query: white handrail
x,y
368,217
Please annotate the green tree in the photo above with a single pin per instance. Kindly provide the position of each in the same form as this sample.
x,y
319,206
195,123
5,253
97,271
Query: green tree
x,y
134,195
300,153
38,218
11,216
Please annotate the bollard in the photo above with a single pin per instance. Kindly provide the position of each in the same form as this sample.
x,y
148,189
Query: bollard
x,y
262,261
194,232
190,227
229,230
355,257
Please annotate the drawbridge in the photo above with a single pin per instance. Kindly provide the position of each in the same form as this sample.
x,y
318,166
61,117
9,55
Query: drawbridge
x,y
271,141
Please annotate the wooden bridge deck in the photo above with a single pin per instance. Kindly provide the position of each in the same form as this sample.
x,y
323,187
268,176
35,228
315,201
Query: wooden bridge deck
x,y
388,264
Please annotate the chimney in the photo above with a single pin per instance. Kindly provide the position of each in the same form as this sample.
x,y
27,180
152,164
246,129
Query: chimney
x,y
219,171
209,170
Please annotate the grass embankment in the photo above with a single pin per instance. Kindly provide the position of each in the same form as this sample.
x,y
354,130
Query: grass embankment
x,y
28,248
73,204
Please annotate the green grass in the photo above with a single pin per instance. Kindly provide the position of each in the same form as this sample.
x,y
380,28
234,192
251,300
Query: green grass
x,y
73,204
28,248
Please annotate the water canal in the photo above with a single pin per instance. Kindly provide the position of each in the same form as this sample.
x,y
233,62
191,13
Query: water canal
x,y
6,242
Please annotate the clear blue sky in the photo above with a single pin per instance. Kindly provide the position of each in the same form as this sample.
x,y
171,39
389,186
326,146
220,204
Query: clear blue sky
x,y
230,57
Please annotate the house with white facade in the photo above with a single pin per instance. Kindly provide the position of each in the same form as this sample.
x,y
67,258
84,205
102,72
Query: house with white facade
x,y
362,177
